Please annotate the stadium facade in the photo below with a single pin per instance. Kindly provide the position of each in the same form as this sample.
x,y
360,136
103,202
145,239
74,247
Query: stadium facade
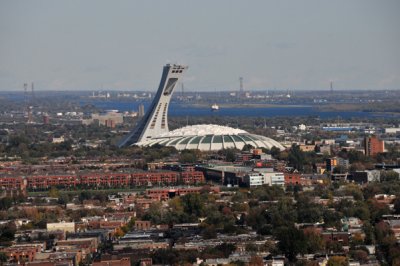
x,y
152,129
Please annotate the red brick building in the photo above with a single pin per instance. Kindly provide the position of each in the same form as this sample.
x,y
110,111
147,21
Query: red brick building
x,y
373,146
47,181
292,178
142,225
105,179
13,184
20,254
192,177
93,179
154,178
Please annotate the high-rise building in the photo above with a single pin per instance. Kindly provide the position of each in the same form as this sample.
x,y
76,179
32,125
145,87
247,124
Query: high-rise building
x,y
155,121
141,110
334,162
373,145
45,119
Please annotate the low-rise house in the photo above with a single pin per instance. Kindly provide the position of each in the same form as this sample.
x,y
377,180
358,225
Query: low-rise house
x,y
342,238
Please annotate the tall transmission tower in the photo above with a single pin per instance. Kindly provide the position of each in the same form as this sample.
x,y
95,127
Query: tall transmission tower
x,y
27,108
33,91
25,93
331,86
241,85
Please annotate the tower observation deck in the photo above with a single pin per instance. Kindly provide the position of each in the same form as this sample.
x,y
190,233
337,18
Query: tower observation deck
x,y
155,120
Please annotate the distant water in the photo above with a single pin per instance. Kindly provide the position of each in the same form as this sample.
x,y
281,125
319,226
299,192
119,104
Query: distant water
x,y
177,109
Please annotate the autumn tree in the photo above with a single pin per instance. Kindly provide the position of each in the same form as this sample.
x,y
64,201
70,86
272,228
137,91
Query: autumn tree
x,y
337,261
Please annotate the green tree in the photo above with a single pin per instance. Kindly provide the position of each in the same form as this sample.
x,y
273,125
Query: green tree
x,y
337,261
247,147
5,203
389,176
3,258
189,156
192,204
53,192
296,158
397,205
7,233
230,155
291,242
314,239
209,232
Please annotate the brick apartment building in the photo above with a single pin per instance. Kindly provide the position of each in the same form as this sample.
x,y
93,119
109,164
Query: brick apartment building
x,y
292,178
94,179
373,145
13,185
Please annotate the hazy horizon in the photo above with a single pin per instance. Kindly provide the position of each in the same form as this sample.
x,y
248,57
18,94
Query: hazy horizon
x,y
274,45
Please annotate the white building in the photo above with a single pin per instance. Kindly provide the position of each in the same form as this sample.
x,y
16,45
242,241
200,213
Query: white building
x,y
270,177
392,130
254,179
58,140
264,176
62,226
274,178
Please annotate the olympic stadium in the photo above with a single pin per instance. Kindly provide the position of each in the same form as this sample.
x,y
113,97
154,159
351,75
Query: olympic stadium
x,y
153,129
210,137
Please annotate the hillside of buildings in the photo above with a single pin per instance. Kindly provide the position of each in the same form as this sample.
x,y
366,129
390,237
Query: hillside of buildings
x,y
69,196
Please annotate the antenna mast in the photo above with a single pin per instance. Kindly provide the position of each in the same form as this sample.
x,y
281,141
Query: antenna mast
x,y
241,85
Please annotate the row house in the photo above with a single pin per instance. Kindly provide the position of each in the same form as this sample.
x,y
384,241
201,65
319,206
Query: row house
x,y
20,254
192,177
141,179
11,186
89,244
61,180
12,183
37,182
100,180
106,179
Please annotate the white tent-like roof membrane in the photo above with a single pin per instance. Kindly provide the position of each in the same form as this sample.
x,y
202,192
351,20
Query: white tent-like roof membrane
x,y
209,138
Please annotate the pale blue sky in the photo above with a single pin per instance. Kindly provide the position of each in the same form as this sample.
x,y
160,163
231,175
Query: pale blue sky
x,y
122,45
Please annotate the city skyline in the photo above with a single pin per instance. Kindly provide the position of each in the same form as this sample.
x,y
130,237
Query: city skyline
x,y
96,45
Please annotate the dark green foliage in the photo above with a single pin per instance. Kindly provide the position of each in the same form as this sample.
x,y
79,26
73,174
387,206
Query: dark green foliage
x,y
193,204
209,232
308,212
7,232
291,241
267,193
247,147
230,155
5,203
223,250
3,258
296,158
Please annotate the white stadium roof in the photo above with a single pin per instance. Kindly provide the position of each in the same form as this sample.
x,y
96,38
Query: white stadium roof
x,y
210,137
